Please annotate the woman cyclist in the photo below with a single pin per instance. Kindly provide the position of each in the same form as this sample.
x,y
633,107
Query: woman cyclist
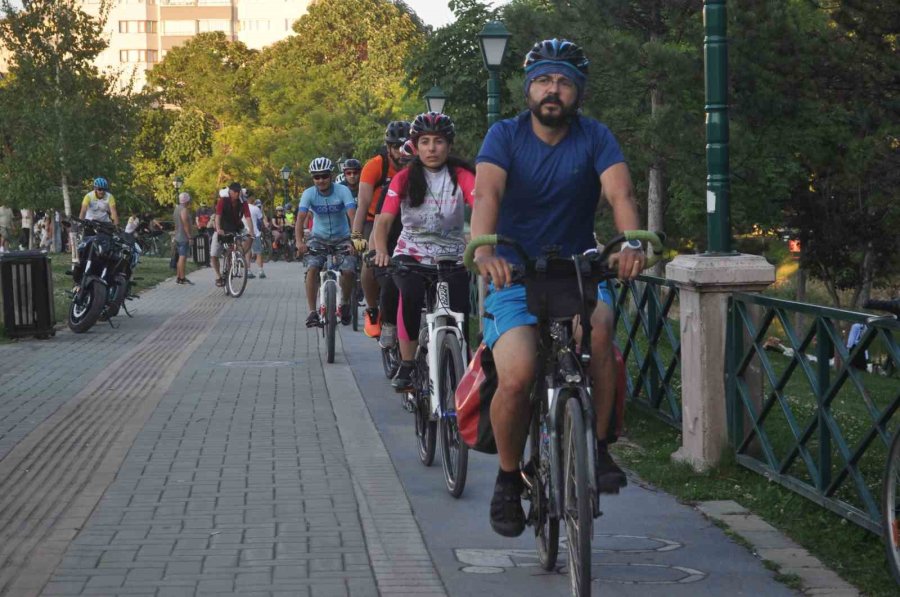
x,y
429,196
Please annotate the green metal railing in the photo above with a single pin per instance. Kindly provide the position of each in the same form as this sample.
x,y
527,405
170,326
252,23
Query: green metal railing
x,y
803,410
650,343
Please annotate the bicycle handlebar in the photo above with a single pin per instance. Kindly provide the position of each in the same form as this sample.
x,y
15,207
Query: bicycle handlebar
x,y
654,239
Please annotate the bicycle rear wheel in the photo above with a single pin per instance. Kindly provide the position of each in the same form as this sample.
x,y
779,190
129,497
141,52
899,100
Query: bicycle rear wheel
x,y
426,429
891,508
330,319
577,506
454,453
237,275
546,529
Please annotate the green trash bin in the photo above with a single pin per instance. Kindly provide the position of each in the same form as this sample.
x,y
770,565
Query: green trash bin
x,y
26,286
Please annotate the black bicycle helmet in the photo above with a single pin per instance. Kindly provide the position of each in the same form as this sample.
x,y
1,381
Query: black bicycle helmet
x,y
351,164
557,50
432,123
396,132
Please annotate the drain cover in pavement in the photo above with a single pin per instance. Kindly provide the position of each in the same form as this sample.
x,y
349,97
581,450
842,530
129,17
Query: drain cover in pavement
x,y
258,364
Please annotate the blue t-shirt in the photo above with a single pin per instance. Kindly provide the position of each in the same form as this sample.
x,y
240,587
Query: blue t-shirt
x,y
551,191
330,221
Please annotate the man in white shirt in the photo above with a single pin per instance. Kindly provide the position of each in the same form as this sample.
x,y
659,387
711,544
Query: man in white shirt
x,y
256,216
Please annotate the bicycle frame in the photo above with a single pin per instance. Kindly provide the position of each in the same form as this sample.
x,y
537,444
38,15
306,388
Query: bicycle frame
x,y
439,317
329,274
549,396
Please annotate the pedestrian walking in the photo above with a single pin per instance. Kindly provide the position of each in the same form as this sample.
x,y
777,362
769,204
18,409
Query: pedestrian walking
x,y
6,220
25,234
182,218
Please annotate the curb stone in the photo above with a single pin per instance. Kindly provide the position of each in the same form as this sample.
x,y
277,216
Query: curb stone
x,y
772,545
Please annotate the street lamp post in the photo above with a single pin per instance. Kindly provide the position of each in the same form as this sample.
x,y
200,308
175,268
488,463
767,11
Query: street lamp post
x,y
435,99
718,176
493,39
285,175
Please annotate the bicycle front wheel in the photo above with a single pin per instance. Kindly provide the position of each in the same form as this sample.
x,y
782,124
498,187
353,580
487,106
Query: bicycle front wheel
x,y
891,508
330,319
577,506
237,275
426,429
454,453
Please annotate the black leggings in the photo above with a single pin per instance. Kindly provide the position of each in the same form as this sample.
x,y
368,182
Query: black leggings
x,y
388,297
412,292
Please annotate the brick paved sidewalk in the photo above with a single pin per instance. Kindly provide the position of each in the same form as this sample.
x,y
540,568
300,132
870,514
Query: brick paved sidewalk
x,y
225,461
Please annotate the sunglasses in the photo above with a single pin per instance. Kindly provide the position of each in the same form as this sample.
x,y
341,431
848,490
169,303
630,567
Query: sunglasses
x,y
321,176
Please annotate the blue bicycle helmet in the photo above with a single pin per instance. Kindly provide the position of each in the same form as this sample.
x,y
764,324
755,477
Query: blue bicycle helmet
x,y
101,183
555,51
288,207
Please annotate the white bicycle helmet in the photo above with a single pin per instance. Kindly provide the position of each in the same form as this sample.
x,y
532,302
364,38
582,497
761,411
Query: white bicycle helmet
x,y
320,164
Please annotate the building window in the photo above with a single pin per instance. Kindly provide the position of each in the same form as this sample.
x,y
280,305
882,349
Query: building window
x,y
179,27
214,25
137,26
256,25
149,56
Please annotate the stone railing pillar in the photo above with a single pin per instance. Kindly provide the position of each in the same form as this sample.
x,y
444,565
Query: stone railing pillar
x,y
705,282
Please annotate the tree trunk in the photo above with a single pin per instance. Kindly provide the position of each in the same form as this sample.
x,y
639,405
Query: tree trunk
x,y
655,187
868,275
799,320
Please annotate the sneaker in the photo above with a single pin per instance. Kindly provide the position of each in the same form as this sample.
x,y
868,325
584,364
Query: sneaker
x,y
388,336
179,280
220,282
610,478
187,281
373,322
346,315
251,276
262,275
312,320
402,382
507,515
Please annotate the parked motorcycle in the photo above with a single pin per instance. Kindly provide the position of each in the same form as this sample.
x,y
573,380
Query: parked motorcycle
x,y
102,275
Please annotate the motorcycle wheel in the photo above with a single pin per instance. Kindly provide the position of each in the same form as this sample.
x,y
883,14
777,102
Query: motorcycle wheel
x,y
84,313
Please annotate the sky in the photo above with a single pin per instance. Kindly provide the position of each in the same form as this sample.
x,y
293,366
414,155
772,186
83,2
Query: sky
x,y
434,12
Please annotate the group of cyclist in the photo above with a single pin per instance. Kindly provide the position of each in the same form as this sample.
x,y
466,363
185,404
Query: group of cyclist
x,y
537,179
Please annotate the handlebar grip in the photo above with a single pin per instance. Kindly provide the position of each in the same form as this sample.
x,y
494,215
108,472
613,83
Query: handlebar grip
x,y
479,241
653,238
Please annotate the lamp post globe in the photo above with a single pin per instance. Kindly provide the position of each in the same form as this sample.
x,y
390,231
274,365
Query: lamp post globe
x,y
493,40
435,99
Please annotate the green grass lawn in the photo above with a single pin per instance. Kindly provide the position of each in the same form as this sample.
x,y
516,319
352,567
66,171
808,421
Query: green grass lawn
x,y
150,272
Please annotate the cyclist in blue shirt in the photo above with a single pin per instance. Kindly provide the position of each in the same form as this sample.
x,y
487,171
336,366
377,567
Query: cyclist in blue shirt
x,y
539,177
331,205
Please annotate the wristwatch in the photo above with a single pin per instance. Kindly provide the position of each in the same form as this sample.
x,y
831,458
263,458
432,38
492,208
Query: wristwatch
x,y
634,245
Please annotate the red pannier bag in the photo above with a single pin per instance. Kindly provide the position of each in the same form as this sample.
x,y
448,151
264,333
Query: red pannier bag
x,y
473,402
476,390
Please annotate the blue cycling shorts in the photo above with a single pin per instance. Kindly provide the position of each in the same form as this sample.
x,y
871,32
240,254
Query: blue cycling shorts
x,y
504,310
507,308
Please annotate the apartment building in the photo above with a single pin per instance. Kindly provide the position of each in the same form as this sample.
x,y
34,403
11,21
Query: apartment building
x,y
142,31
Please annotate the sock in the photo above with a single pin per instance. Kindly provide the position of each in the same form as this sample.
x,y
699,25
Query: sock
x,y
509,477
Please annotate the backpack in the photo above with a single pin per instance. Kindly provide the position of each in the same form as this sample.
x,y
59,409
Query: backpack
x,y
384,181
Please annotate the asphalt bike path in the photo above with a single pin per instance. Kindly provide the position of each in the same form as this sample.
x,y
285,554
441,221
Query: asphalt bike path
x,y
646,543
206,448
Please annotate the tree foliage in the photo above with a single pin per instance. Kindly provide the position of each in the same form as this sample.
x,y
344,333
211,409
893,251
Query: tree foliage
x,y
59,121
